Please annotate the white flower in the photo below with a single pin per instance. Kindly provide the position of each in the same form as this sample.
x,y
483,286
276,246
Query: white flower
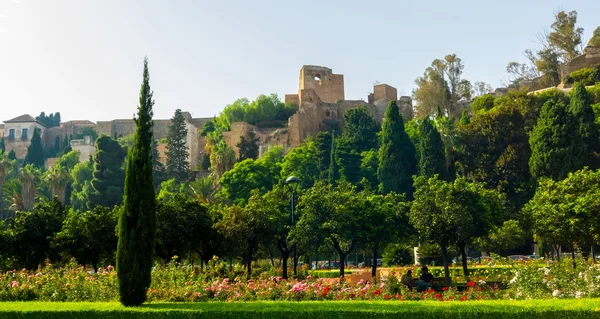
x,y
578,294
519,293
555,293
580,274
482,283
512,281
547,271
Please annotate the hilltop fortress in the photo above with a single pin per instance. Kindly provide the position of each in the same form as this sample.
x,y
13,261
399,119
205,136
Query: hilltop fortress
x,y
321,106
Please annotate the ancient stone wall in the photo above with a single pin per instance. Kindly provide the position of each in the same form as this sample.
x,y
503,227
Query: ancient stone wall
x,y
328,86
384,91
17,145
291,99
589,59
406,107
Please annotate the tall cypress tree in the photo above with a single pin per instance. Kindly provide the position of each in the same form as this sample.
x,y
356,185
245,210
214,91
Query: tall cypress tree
x,y
159,168
553,143
2,146
137,220
432,160
177,162
35,153
588,145
333,169
397,163
323,146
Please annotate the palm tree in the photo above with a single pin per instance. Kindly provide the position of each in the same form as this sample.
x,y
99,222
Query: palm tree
x,y
5,166
204,189
30,176
222,157
58,177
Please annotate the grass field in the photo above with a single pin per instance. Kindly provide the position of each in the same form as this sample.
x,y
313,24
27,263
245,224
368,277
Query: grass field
x,y
571,309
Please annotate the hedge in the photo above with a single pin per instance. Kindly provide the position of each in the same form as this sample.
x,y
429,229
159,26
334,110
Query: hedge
x,y
333,273
573,309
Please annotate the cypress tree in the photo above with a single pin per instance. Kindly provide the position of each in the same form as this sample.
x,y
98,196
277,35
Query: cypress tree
x,y
323,146
177,162
397,163
137,220
2,146
35,153
12,155
464,119
57,145
553,144
333,169
432,160
159,168
588,143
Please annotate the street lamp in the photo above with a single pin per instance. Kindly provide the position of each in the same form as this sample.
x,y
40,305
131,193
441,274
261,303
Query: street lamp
x,y
293,182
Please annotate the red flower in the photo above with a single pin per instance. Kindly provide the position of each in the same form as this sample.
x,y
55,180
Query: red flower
x,y
471,284
445,288
326,290
437,296
377,292
386,297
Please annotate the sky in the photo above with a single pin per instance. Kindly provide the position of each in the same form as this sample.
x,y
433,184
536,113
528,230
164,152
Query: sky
x,y
84,58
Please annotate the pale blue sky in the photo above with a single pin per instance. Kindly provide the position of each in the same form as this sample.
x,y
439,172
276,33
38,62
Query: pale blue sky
x,y
84,58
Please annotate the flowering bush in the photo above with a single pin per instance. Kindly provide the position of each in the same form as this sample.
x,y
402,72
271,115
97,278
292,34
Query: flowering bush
x,y
555,279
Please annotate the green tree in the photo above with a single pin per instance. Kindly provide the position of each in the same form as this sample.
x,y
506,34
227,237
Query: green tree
x,y
322,143
248,146
553,144
35,153
432,160
595,39
59,175
222,157
397,163
302,163
137,220
90,236
387,219
482,104
12,155
82,175
30,179
159,168
360,129
249,175
2,146
565,35
30,233
333,171
107,184
181,224
567,211
348,160
494,150
465,119
450,213
589,143
178,165
337,215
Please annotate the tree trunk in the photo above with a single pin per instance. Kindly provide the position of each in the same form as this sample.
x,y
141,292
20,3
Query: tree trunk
x,y
463,254
249,260
285,255
446,270
374,267
593,254
272,261
342,261
573,256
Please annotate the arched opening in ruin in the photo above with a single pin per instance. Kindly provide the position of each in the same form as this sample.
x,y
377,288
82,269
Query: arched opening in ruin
x,y
317,77
327,113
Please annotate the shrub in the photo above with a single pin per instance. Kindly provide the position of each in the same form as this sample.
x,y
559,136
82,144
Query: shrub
x,y
483,103
589,76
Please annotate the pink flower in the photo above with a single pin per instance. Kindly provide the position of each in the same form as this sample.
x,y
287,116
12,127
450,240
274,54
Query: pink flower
x,y
14,284
187,283
309,277
110,268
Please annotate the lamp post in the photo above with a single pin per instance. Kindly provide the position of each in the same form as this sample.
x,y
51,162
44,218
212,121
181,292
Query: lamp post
x,y
293,182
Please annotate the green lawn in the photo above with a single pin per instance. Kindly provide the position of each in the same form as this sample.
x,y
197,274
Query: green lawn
x,y
563,309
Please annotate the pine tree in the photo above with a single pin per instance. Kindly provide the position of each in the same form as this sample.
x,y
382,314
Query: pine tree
x,y
107,184
35,153
588,143
432,160
465,119
177,161
397,164
553,144
2,146
137,220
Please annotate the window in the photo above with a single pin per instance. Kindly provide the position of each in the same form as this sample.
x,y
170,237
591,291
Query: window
x,y
24,134
11,134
